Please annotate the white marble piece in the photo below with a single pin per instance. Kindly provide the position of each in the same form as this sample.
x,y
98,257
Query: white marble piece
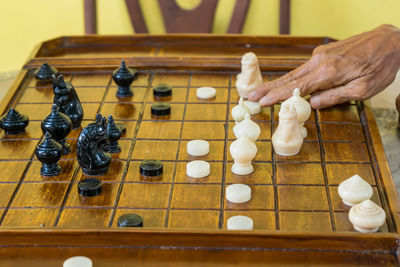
x,y
254,107
247,128
206,92
78,261
198,169
354,190
367,217
239,111
198,148
250,76
303,109
243,151
238,193
239,222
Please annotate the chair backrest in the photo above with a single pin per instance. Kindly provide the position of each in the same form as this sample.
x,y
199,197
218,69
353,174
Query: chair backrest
x,y
178,20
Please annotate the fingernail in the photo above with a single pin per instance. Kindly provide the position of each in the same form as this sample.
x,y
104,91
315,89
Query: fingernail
x,y
264,101
252,94
315,101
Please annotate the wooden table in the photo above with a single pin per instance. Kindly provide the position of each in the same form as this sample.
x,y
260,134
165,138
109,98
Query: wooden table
x,y
297,213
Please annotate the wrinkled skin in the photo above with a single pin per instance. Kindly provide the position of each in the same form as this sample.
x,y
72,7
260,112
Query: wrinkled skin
x,y
356,68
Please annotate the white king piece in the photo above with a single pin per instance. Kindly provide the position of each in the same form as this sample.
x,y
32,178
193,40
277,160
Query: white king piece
x,y
250,77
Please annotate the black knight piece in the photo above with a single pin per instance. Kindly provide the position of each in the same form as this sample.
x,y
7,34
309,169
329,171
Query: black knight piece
x,y
67,100
114,134
45,72
123,77
59,126
49,153
90,148
14,122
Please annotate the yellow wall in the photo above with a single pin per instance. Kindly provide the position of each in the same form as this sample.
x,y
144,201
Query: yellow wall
x,y
24,23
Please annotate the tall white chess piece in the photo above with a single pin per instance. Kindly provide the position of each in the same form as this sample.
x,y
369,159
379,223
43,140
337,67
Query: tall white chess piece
x,y
250,77
303,109
243,150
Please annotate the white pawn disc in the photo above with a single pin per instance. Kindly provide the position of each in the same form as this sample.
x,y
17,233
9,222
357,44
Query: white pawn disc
x,y
198,169
254,107
238,193
78,261
240,222
198,148
206,92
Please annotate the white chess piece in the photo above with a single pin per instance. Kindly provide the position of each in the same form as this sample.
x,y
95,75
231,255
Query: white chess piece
x,y
287,139
254,107
303,109
354,190
250,77
243,150
367,217
239,222
239,111
247,128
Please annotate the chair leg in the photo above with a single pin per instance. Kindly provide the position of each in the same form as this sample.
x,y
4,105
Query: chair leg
x,y
90,16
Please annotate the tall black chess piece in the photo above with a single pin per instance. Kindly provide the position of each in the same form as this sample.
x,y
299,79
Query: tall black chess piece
x,y
90,148
114,134
49,153
67,100
123,77
14,122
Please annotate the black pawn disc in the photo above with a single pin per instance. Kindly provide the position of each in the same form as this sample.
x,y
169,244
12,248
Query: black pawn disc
x,y
162,90
89,187
130,220
45,72
161,109
151,167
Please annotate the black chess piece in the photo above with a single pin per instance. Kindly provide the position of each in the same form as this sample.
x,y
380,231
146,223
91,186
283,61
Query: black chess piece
x,y
14,122
45,72
49,153
114,134
123,77
67,100
90,148
59,126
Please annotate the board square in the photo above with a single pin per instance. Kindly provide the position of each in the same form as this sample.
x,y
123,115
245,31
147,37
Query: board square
x,y
71,155
216,151
138,95
214,177
30,218
337,173
220,97
294,197
90,79
277,109
263,116
192,219
261,175
177,111
105,199
159,130
125,146
262,219
40,195
338,205
151,217
203,130
178,95
37,95
301,174
12,170
32,131
84,218
114,173
204,112
6,191
263,151
262,197
341,113
173,79
308,152
149,195
341,132
311,128
264,135
150,149
346,152
121,111
67,170
133,174
194,196
41,110
212,80
142,79
90,94
17,149
90,111
305,221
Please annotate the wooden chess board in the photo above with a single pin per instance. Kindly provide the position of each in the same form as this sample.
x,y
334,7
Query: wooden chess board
x,y
297,213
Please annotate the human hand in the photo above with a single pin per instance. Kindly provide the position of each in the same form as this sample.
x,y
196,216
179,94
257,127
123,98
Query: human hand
x,y
356,68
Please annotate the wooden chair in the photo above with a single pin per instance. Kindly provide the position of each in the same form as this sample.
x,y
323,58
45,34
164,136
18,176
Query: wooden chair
x,y
177,20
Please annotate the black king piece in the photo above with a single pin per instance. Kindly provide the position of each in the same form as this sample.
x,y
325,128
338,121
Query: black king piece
x,y
67,100
123,77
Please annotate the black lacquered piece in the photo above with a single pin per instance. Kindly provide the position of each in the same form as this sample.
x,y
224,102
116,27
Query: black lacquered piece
x,y
151,167
14,122
161,109
130,220
162,90
45,72
114,134
90,187
90,151
123,77
49,153
59,126
67,100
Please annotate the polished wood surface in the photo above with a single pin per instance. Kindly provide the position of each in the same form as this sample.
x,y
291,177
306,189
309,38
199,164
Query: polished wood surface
x,y
297,212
